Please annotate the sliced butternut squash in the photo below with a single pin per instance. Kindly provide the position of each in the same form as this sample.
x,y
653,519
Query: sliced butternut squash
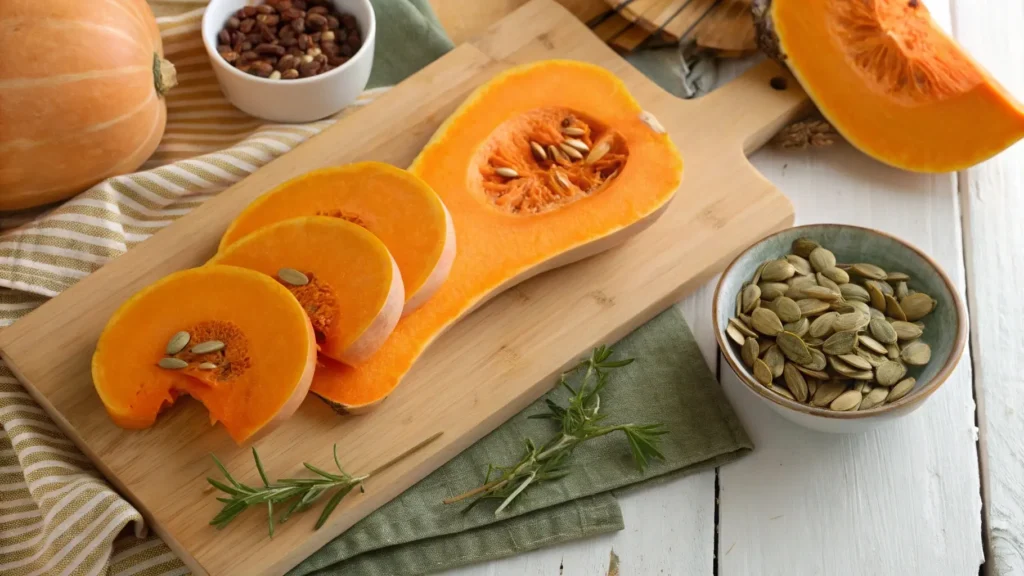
x,y
259,374
346,280
522,203
396,206
891,81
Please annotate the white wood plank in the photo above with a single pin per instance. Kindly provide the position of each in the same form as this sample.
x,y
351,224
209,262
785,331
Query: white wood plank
x,y
670,527
904,499
992,204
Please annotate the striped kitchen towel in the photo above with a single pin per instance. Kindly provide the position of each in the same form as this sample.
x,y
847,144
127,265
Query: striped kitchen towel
x,y
57,515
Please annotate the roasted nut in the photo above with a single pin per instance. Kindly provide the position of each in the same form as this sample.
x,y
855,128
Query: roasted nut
x,y
233,23
287,62
316,20
332,23
327,36
262,68
265,9
270,49
308,69
290,74
224,37
321,10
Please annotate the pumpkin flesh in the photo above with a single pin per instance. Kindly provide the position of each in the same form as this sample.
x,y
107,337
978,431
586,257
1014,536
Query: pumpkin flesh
x,y
262,374
354,296
893,83
394,205
503,243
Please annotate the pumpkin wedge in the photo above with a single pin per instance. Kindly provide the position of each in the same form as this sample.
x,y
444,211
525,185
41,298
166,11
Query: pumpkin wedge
x,y
396,206
891,81
259,374
342,275
546,164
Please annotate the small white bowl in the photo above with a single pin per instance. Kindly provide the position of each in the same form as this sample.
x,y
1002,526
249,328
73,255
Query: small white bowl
x,y
302,99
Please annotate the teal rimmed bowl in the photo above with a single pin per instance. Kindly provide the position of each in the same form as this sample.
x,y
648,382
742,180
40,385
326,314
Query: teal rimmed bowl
x,y
945,332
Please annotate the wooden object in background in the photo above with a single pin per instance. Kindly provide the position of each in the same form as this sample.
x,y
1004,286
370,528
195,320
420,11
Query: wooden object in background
x,y
485,369
724,26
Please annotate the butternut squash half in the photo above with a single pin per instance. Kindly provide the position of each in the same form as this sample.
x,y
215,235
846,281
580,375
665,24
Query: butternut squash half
x,y
545,165
257,370
342,275
891,81
396,206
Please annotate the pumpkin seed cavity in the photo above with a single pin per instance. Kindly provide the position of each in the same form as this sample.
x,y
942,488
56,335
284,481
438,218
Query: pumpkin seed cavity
x,y
292,276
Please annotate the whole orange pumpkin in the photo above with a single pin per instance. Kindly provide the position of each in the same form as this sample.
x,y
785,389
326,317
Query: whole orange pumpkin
x,y
81,95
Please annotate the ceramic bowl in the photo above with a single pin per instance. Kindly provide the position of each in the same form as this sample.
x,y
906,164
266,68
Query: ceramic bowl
x,y
946,327
302,99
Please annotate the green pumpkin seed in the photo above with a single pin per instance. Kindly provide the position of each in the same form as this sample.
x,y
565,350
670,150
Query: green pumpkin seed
x,y
876,314
743,329
916,353
777,271
906,330
847,401
795,382
854,292
893,308
757,273
895,277
749,352
869,271
799,327
813,374
876,298
803,247
822,325
862,387
775,361
734,334
292,276
172,363
772,290
812,386
825,282
882,331
874,398
207,347
917,306
883,286
827,392
802,282
871,358
900,389
840,343
817,359
821,293
889,373
794,348
851,321
871,344
784,393
844,369
207,366
177,343
901,291
766,322
787,309
739,302
762,373
822,259
813,342
837,275
751,298
856,361
892,351
812,306
802,266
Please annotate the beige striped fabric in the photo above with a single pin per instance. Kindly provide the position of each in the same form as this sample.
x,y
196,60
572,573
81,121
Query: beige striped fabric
x,y
57,515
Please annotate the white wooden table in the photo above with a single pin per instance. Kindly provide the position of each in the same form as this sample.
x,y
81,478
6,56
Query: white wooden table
x,y
905,499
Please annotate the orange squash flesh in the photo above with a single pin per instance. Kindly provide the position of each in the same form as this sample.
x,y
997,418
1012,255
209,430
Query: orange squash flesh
x,y
502,243
354,296
396,206
893,83
262,374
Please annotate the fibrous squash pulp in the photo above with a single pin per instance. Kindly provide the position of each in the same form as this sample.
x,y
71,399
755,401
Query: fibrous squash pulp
x,y
891,81
546,164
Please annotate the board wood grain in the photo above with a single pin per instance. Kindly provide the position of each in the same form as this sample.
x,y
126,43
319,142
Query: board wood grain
x,y
485,369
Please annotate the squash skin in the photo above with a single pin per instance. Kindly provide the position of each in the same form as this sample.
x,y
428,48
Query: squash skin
x,y
373,193
966,122
134,389
499,249
81,104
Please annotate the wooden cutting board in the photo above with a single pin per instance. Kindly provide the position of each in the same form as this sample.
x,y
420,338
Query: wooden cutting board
x,y
484,370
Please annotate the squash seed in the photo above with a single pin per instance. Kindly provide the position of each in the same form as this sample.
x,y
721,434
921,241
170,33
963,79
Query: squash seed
x,y
856,361
817,359
893,308
854,292
814,374
802,281
837,275
772,290
172,363
900,389
570,151
882,331
573,131
735,335
812,386
827,392
506,172
803,247
739,301
885,287
177,343
652,122
847,401
889,373
795,382
822,325
822,259
777,271
916,306
901,291
840,343
799,327
871,344
794,348
577,144
207,366
802,266
292,276
873,398
851,321
775,360
599,151
562,179
743,329
766,322
207,347
826,282
916,353
869,271
751,298
538,151
762,373
749,352
862,387
556,154
871,358
821,293
872,313
787,309
784,393
906,330
877,299
892,351
813,342
757,273
897,277
812,306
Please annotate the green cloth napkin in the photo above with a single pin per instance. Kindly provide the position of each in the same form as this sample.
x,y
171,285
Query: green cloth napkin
x,y
669,383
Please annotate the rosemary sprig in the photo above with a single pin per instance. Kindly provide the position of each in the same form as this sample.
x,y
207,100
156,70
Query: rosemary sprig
x,y
580,420
300,494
